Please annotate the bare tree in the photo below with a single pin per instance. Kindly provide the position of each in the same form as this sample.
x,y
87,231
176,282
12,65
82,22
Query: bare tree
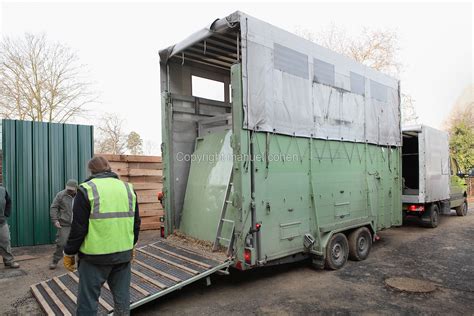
x,y
377,49
111,138
409,116
41,80
151,148
134,143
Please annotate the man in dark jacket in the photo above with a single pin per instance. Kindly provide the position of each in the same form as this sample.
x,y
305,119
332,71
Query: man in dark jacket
x,y
61,217
104,232
5,247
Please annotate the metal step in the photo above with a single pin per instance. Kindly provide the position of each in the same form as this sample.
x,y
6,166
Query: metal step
x,y
158,269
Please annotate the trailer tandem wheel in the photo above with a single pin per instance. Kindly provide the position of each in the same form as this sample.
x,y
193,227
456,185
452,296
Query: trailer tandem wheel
x,y
337,252
360,243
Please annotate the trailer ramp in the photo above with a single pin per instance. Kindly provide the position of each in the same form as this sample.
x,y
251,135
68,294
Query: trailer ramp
x,y
158,269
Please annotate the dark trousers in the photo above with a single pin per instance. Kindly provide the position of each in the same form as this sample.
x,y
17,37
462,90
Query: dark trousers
x,y
91,279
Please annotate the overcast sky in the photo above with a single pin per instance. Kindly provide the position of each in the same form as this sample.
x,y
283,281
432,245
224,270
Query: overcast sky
x,y
120,43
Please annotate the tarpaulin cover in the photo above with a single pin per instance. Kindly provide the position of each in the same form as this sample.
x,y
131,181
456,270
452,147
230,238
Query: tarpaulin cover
x,y
295,87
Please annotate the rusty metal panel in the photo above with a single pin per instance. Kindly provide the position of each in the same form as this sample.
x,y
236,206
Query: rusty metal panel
x,y
38,158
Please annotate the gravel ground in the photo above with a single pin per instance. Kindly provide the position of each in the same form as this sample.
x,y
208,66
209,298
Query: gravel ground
x,y
444,256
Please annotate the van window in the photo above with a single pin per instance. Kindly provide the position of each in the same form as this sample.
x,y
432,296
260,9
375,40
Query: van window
x,y
207,88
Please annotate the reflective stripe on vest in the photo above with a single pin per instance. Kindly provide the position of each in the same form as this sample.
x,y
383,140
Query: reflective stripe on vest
x,y
96,214
111,221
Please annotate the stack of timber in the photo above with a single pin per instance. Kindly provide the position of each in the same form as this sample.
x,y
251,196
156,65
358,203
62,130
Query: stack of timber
x,y
145,173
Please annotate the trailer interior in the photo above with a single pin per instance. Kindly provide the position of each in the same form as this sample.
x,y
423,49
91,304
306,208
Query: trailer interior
x,y
197,113
410,163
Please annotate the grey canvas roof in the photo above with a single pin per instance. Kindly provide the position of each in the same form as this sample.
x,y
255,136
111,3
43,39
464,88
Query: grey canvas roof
x,y
295,87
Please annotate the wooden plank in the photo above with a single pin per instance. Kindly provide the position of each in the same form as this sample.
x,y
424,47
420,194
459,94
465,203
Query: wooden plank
x,y
151,207
132,285
166,275
148,279
199,263
118,165
147,199
110,157
139,289
146,179
102,302
130,158
137,158
177,265
24,258
55,299
145,172
73,276
147,186
145,165
65,289
152,213
121,172
42,301
105,305
146,192
151,219
150,226
120,168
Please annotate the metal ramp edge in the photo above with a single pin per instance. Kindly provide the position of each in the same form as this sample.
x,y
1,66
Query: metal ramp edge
x,y
158,269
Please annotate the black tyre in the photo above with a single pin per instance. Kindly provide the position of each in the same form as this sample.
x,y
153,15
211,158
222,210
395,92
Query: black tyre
x,y
360,243
337,252
461,210
432,219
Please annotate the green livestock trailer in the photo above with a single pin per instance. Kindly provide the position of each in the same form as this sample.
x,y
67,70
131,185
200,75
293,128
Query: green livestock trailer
x,y
294,154
299,158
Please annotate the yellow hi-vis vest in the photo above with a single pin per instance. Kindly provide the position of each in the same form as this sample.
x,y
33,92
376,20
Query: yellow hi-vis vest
x,y
112,215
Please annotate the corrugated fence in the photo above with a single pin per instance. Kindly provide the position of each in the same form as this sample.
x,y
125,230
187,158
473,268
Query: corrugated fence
x,y
38,159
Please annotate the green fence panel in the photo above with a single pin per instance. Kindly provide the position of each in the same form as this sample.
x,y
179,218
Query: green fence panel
x,y
24,192
56,163
86,148
71,166
38,158
41,184
9,178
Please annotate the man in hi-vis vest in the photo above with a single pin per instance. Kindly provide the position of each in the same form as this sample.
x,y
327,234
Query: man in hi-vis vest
x,y
104,232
